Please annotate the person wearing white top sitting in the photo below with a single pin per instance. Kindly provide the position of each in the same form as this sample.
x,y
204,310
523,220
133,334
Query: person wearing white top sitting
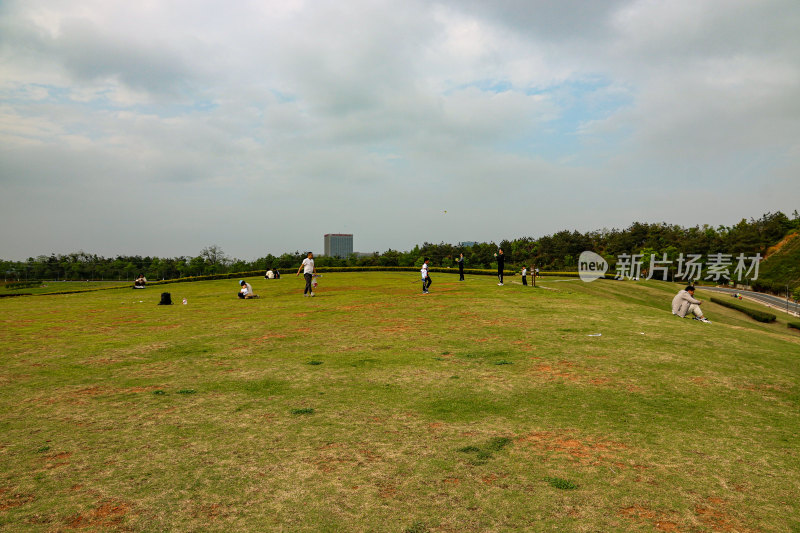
x,y
246,291
685,303
270,274
308,269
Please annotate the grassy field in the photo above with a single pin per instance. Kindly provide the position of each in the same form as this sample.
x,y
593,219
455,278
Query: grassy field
x,y
47,287
374,408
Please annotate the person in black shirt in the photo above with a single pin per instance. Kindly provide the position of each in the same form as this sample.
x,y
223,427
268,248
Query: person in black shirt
x,y
501,262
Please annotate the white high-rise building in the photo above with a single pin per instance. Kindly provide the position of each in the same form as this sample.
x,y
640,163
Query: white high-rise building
x,y
338,245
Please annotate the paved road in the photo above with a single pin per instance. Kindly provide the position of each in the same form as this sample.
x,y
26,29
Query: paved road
x,y
765,299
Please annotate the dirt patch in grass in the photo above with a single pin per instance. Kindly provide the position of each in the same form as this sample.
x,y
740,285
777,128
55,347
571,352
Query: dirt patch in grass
x,y
107,514
491,479
713,514
660,521
586,450
574,373
56,460
89,391
554,371
77,397
9,501
212,511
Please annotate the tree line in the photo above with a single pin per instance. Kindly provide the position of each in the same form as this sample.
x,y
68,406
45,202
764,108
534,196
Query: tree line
x,y
558,251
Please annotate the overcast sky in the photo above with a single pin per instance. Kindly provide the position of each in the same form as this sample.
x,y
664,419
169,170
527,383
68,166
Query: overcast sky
x,y
160,127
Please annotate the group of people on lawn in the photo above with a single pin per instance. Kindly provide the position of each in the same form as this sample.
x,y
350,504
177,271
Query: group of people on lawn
x,y
309,273
501,263
684,303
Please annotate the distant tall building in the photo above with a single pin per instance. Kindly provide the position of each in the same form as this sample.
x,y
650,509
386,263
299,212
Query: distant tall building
x,y
338,244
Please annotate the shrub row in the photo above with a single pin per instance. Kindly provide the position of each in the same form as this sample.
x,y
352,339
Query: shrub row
x,y
467,271
761,316
795,325
14,285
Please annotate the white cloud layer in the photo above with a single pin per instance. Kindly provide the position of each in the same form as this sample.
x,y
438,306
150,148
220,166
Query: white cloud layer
x,y
159,128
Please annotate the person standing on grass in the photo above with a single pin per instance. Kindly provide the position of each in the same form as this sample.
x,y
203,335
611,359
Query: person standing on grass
x,y
501,263
460,262
308,273
524,276
426,278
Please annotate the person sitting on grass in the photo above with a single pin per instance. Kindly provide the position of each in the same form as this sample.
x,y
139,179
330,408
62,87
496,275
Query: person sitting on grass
x,y
685,303
140,282
246,292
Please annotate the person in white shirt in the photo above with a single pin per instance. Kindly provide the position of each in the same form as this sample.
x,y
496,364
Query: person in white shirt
x,y
246,291
308,273
524,276
426,278
685,303
270,274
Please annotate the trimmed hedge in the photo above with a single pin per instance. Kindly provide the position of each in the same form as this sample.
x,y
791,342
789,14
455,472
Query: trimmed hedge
x,y
14,285
324,269
761,316
795,325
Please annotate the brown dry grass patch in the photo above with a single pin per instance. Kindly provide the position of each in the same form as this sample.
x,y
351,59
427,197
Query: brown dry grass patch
x,y
107,514
660,521
586,450
9,501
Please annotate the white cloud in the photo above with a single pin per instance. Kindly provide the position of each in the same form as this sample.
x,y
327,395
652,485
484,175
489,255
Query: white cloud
x,y
373,115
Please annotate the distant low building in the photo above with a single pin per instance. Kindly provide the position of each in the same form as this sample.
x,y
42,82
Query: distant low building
x,y
338,245
467,244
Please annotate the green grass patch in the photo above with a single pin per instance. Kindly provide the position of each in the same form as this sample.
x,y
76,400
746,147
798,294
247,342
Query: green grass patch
x,y
560,483
416,527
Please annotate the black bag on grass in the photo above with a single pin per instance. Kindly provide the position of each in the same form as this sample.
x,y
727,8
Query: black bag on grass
x,y
166,299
